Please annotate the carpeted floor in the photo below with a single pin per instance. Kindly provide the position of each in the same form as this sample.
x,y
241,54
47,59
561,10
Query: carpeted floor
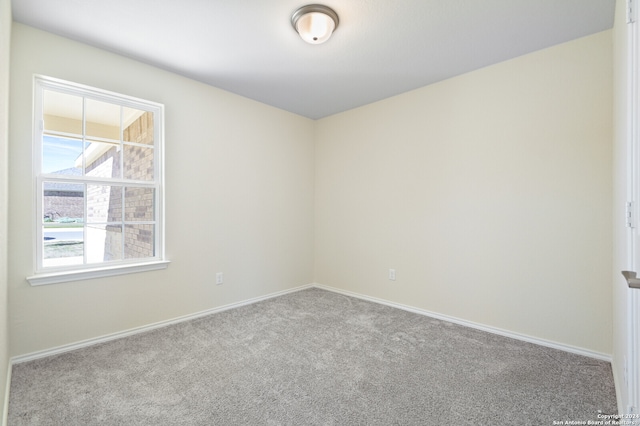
x,y
311,358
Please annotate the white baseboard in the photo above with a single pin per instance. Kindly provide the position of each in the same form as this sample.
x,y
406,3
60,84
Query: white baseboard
x,y
5,406
142,329
471,324
120,334
618,382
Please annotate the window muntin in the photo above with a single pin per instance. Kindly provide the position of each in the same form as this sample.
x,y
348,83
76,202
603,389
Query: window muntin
x,y
98,158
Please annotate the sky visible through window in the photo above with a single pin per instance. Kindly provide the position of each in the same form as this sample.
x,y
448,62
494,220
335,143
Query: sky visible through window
x,y
59,153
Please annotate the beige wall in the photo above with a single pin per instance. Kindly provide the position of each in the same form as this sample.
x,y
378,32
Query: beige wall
x,y
239,194
489,193
621,292
5,36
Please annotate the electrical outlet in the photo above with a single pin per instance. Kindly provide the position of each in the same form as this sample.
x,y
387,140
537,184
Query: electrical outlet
x,y
219,278
392,274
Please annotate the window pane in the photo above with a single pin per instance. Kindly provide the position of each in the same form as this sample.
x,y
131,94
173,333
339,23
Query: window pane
x,y
113,243
138,126
102,120
62,112
139,241
104,203
104,243
63,245
102,160
61,156
139,204
138,163
63,233
63,203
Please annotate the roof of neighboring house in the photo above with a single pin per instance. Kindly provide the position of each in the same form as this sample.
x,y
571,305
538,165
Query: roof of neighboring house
x,y
65,186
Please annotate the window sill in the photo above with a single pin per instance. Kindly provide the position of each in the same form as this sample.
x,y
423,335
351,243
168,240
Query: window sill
x,y
87,274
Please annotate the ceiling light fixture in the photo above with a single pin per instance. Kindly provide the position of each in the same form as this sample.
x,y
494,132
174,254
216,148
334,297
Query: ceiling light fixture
x,y
314,22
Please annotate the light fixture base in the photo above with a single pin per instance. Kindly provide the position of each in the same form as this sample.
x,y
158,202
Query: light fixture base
x,y
312,23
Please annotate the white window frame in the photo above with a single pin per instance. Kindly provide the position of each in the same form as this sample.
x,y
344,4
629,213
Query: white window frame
x,y
57,274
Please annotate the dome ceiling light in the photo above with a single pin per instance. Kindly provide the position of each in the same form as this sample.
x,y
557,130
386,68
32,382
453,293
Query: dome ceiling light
x,y
315,22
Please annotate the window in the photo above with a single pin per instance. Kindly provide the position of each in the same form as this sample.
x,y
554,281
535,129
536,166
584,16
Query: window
x,y
98,182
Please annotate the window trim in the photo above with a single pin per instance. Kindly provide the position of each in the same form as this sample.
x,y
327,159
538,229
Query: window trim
x,y
89,273
57,274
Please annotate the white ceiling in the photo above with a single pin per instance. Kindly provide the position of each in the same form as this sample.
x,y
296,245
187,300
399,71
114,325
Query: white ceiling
x,y
381,47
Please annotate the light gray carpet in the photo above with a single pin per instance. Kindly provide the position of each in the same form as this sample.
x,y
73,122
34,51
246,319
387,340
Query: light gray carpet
x,y
311,358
